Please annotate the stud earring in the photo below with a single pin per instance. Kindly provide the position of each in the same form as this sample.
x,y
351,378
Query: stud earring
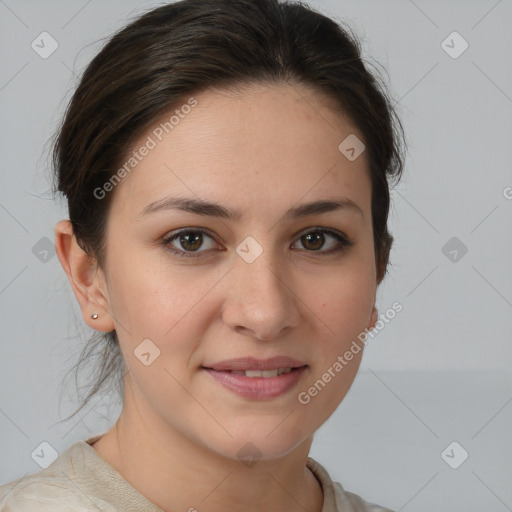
x,y
94,316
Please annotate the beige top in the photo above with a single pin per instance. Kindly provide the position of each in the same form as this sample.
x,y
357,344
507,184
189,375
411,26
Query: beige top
x,y
79,480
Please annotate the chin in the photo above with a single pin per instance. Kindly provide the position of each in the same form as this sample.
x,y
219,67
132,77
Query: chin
x,y
255,439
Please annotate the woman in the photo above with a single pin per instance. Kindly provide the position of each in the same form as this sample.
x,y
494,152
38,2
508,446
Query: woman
x,y
226,166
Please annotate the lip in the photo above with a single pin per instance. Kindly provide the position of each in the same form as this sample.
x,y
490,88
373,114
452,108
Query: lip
x,y
252,363
257,388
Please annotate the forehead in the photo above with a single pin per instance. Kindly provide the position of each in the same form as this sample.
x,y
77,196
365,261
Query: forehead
x,y
254,147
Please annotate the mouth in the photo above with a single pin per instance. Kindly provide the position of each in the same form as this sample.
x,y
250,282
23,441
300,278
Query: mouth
x,y
260,373
258,379
247,364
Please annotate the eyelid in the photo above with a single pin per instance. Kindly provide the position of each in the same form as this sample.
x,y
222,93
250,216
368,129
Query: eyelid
x,y
173,235
343,240
188,229
323,229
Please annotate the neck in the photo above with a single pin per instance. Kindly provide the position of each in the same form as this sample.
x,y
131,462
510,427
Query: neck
x,y
175,473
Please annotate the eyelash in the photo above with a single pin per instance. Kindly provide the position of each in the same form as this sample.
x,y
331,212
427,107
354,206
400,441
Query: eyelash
x,y
344,241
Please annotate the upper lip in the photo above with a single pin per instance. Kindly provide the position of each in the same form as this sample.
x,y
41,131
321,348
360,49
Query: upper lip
x,y
252,363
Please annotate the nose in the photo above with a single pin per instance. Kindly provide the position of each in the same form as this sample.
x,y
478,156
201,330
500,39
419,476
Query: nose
x,y
260,300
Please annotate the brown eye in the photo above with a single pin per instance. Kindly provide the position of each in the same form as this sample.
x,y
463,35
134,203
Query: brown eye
x,y
189,241
313,241
323,241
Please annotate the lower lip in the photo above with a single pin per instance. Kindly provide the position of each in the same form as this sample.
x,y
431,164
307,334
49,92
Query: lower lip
x,y
258,388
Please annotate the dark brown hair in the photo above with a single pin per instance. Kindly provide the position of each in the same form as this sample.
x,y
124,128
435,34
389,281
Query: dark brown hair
x,y
183,48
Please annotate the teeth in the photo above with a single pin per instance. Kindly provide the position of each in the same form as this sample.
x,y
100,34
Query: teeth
x,y
266,373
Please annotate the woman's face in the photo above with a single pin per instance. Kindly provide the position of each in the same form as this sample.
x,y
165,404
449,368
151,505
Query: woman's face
x,y
246,234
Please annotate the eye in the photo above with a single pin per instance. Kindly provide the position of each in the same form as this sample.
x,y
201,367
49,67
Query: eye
x,y
323,241
189,241
192,242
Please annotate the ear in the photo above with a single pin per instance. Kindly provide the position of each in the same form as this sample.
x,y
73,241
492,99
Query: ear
x,y
86,278
373,318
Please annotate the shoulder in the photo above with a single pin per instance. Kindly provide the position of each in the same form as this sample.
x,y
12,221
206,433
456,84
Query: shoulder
x,y
44,493
336,499
62,486
350,502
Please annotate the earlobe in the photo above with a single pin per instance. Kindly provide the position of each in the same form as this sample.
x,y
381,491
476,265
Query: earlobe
x,y
373,318
85,278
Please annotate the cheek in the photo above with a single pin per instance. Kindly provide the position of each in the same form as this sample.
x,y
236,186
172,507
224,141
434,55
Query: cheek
x,y
152,298
343,301
342,311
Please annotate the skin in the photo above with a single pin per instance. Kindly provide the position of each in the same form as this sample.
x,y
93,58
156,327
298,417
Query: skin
x,y
260,150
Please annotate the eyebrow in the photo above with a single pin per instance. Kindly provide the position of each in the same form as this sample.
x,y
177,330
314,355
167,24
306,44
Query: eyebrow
x,y
208,208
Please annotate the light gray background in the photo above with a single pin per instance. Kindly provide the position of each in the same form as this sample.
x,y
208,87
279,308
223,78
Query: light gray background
x,y
439,372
